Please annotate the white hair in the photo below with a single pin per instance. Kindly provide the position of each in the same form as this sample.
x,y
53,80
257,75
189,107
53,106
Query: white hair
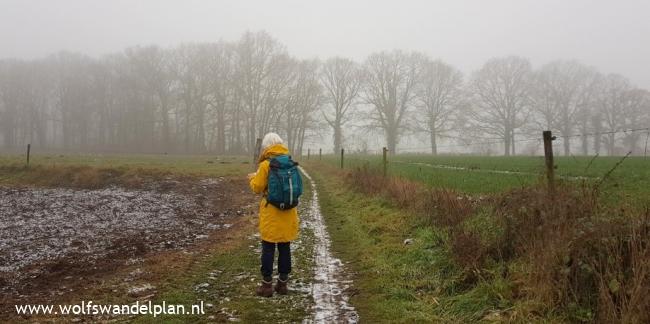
x,y
271,139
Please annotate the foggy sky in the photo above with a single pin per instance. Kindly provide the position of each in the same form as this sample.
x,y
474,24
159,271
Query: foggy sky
x,y
613,36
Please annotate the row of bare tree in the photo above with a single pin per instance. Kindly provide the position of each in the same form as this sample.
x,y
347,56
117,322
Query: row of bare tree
x,y
219,97
195,98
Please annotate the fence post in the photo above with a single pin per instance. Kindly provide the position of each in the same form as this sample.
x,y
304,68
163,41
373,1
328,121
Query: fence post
x,y
385,160
342,153
308,154
256,153
548,157
320,154
29,148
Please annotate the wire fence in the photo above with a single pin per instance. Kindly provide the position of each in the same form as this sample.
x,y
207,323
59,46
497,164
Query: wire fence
x,y
489,141
403,162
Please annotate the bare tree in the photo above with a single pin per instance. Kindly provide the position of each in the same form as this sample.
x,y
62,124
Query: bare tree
x,y
218,97
342,80
25,100
278,87
558,96
154,67
438,95
192,81
390,80
72,99
612,103
501,91
221,94
636,111
304,98
258,57
588,111
12,89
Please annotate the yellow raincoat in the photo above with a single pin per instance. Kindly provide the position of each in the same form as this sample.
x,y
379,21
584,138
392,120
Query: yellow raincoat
x,y
276,225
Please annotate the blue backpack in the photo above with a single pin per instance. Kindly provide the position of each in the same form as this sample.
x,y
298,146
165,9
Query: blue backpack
x,y
285,183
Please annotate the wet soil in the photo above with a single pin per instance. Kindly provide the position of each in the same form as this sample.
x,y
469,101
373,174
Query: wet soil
x,y
56,243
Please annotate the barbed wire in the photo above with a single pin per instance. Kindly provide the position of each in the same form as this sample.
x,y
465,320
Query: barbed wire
x,y
468,144
501,140
494,141
646,129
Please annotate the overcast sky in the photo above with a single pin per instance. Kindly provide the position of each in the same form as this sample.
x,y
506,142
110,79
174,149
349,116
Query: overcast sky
x,y
611,35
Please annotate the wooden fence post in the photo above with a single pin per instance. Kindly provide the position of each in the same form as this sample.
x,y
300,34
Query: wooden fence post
x,y
29,148
548,157
342,153
256,153
385,160
320,154
308,154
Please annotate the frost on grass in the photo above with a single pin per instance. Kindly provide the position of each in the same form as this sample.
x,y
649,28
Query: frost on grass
x,y
38,226
138,290
330,283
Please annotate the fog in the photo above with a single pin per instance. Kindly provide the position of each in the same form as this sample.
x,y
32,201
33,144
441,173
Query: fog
x,y
611,35
580,37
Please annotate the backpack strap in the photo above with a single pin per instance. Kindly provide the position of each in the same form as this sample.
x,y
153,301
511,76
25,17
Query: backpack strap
x,y
271,165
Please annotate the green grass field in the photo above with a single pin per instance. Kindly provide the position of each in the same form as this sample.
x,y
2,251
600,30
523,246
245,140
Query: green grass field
x,y
480,175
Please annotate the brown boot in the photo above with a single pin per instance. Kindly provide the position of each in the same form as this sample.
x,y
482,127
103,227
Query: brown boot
x,y
281,287
265,289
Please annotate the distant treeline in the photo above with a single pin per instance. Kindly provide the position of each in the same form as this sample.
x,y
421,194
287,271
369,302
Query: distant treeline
x,y
219,97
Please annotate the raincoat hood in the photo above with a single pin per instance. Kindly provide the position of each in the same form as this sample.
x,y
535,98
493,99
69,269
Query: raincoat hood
x,y
274,150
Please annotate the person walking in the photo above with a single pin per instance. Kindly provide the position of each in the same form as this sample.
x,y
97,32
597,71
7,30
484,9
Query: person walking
x,y
278,180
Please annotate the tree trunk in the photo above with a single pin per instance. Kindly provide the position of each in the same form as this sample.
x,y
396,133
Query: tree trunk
x,y
251,134
186,128
585,145
611,144
165,123
200,132
506,141
566,131
391,139
221,131
434,144
337,136
512,143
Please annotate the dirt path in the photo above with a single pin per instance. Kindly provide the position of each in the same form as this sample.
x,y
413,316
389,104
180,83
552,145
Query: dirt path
x,y
330,285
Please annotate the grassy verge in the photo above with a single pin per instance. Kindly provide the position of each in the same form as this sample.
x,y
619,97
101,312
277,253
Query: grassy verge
x,y
397,282
422,255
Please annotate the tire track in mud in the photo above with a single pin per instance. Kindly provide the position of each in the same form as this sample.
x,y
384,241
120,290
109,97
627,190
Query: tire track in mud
x,y
329,286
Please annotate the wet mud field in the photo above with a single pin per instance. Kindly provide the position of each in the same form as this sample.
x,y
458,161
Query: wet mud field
x,y
54,240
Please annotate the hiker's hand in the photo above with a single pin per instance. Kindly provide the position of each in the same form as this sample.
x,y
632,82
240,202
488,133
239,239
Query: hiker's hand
x,y
251,175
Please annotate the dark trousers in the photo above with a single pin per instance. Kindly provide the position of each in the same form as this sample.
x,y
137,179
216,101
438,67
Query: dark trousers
x,y
284,259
